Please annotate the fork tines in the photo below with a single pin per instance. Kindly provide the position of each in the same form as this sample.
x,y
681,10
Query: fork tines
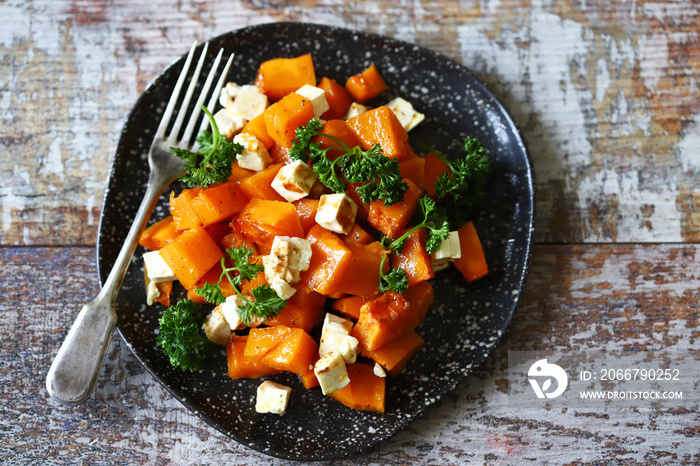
x,y
174,136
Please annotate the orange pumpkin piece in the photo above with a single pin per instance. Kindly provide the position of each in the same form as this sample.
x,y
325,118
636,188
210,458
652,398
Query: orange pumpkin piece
x,y
218,203
338,129
297,353
302,317
338,98
182,210
262,340
306,208
366,85
392,220
158,234
241,368
391,315
472,264
210,277
362,276
308,298
283,117
380,126
350,306
261,220
330,258
280,76
238,173
257,128
413,168
365,392
191,255
258,185
235,239
434,167
358,235
414,259
420,297
395,355
382,320
280,154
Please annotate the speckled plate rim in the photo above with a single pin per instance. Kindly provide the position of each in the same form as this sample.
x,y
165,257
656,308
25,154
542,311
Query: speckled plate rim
x,y
528,178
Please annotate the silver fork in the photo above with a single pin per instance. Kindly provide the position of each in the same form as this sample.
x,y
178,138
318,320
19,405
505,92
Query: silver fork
x,y
74,371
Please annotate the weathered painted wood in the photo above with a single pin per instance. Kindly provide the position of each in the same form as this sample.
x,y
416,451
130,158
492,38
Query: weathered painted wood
x,y
604,92
599,296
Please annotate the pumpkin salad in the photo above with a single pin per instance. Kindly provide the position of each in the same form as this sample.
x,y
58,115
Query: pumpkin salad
x,y
305,209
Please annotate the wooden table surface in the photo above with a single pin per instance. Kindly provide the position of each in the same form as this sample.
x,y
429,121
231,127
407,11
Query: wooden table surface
x,y
606,96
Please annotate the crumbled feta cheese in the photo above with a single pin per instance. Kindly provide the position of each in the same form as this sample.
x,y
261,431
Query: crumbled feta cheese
x,y
333,333
156,269
336,212
229,308
249,102
216,328
448,250
274,271
294,180
283,289
272,397
349,348
334,323
228,93
228,122
379,370
355,109
152,291
254,155
317,96
291,252
331,372
406,114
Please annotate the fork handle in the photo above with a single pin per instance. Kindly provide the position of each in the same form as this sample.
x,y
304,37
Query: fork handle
x,y
73,373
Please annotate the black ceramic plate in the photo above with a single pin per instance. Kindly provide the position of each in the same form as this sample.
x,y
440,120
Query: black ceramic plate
x,y
466,321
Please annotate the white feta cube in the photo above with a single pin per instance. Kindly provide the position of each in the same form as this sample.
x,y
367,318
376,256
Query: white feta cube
x,y
152,292
355,109
283,289
448,251
317,96
274,272
333,333
331,372
294,180
334,323
349,349
229,309
216,328
228,93
228,122
249,102
156,269
379,370
272,397
336,212
406,114
254,156
291,252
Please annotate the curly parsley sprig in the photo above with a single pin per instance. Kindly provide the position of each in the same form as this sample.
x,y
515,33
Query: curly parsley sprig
x,y
180,336
376,175
436,222
212,163
265,302
466,179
